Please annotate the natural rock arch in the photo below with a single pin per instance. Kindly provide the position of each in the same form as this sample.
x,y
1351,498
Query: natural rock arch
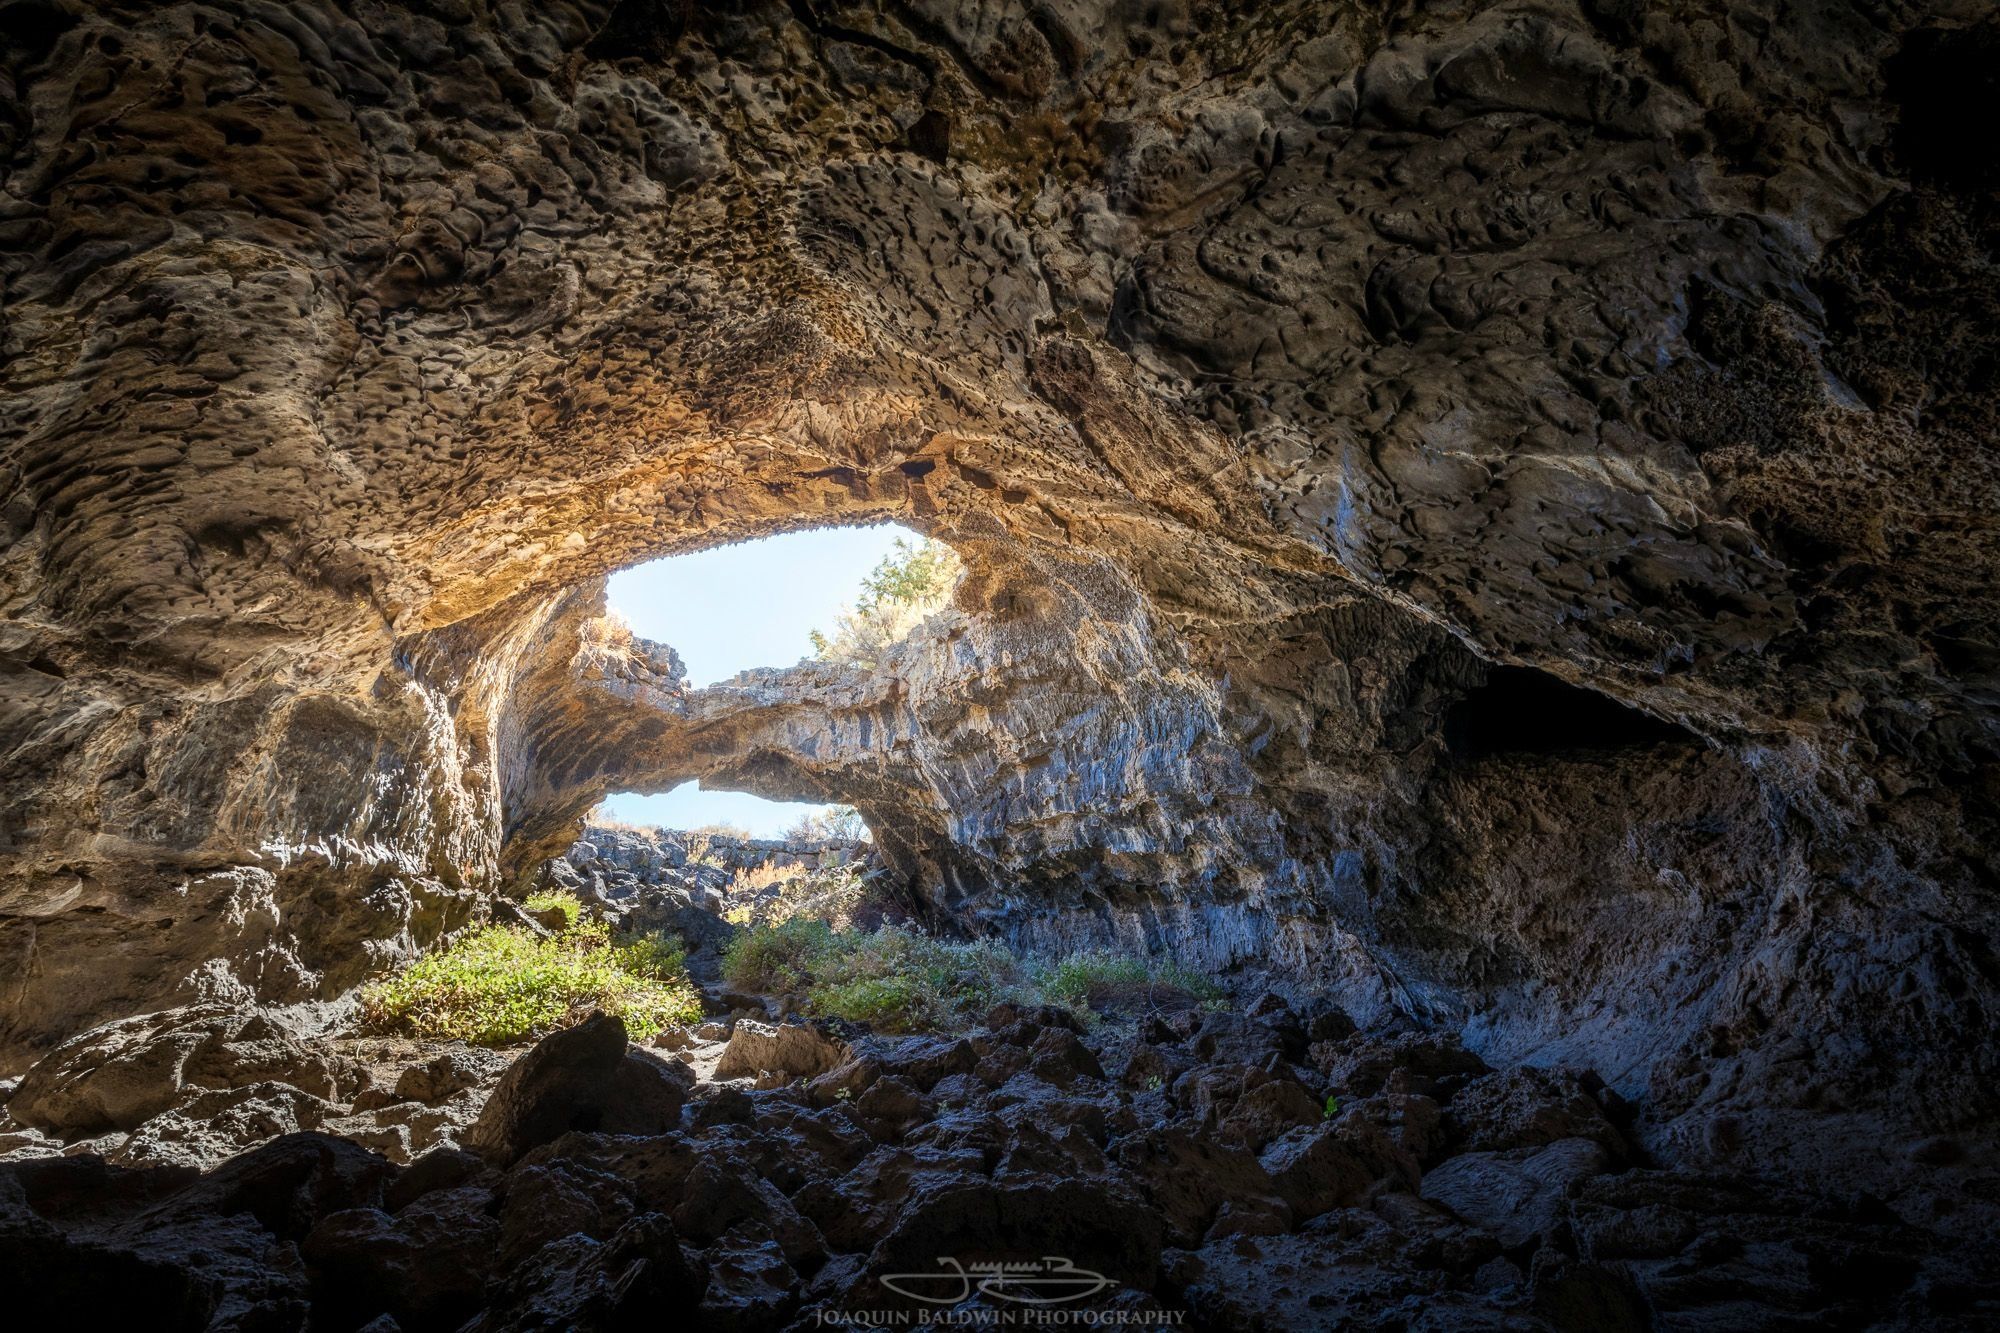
x,y
1274,378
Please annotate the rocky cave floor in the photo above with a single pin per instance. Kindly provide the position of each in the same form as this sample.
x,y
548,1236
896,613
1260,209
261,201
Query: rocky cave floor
x,y
772,1174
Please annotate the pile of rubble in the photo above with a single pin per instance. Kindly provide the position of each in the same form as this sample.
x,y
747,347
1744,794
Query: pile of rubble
x,y
1266,1169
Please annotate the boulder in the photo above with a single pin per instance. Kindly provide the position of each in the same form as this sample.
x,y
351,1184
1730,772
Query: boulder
x,y
1529,1108
208,1125
1188,1178
439,1169
1362,1066
630,1281
1267,1111
1153,1066
1058,1056
921,1060
751,1287
582,1078
721,1193
1243,1282
450,1071
1315,1169
427,1267
1026,1020
120,1075
790,1050
1089,1222
890,1106
108,1247
1517,1196
1413,1123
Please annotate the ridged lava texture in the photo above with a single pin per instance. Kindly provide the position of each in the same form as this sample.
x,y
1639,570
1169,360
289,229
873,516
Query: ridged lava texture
x,y
1484,509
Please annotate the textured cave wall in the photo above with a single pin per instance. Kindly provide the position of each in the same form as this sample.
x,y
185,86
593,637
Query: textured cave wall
x,y
1276,372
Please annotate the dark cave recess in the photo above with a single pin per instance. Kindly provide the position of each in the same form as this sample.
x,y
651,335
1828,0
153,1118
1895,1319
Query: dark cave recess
x,y
1523,711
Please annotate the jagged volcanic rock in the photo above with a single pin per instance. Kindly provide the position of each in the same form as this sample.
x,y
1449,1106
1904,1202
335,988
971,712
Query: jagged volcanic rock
x,y
1485,511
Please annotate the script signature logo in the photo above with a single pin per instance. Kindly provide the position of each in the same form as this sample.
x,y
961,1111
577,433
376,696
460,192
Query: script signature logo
x,y
1051,1280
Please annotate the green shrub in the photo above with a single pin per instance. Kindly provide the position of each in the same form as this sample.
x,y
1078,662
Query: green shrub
x,y
776,958
1097,980
893,979
909,586
502,984
899,980
658,957
558,900
893,1004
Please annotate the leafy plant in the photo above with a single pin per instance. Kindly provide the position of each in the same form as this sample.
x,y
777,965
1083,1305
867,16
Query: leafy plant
x,y
834,823
556,900
910,585
1097,979
901,980
661,957
502,984
776,958
1332,1108
894,979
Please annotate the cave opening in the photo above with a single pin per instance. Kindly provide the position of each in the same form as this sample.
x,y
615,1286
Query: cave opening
x,y
758,603
840,595
691,808
1235,941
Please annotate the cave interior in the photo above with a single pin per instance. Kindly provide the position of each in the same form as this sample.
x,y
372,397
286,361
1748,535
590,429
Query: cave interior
x,y
1480,524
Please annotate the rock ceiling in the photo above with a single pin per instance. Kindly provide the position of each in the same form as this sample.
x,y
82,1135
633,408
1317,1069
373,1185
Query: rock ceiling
x,y
1311,392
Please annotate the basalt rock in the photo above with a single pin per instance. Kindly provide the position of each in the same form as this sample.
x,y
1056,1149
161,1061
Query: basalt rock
x,y
1484,512
582,1078
120,1076
789,1050
789,1216
194,1087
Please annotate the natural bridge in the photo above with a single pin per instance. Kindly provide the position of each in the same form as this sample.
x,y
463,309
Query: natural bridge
x,y
1480,540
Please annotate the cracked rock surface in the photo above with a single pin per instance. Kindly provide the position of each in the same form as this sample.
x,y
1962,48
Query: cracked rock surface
x,y
1439,1194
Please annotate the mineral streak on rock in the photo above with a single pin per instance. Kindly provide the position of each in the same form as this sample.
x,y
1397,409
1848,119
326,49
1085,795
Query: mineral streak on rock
x,y
1486,511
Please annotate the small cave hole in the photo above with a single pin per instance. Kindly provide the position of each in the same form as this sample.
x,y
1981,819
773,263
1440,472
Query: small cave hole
x,y
1523,711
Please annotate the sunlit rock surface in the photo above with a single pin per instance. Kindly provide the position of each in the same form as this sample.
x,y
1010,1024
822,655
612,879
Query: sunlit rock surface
x,y
1487,513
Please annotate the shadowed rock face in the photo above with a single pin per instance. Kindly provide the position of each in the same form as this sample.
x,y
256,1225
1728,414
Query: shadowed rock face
x,y
1314,394
1192,1164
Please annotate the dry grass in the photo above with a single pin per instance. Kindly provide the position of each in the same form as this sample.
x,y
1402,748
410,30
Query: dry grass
x,y
596,820
756,879
834,896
